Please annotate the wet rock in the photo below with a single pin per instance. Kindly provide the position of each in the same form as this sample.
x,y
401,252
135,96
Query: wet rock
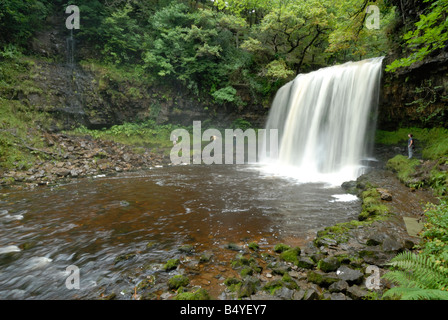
x,y
322,279
178,281
339,296
248,287
284,293
384,194
390,244
187,248
306,263
311,294
357,293
349,275
339,286
350,187
329,264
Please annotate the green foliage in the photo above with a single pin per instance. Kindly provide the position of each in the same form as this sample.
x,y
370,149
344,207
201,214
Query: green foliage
x,y
146,134
435,232
434,141
404,168
121,36
349,38
195,48
20,19
429,35
418,277
227,94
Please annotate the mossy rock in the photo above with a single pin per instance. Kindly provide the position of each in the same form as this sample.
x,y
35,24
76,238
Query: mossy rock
x,y
273,286
241,261
248,287
178,281
246,272
231,281
322,279
329,264
124,257
171,264
199,294
254,246
279,248
305,263
187,248
145,283
291,255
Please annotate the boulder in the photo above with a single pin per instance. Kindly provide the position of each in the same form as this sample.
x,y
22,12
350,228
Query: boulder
x,y
351,276
329,264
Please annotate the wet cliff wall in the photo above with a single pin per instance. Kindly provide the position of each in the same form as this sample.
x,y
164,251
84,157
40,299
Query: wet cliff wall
x,y
417,95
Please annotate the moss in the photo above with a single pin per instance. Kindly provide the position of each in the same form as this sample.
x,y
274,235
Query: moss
x,y
328,264
124,257
231,281
335,234
145,283
248,287
291,255
171,264
372,205
289,282
178,281
254,246
273,286
281,247
240,261
404,167
323,280
246,272
199,294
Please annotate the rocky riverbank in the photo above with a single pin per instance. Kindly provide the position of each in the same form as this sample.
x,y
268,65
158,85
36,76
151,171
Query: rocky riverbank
x,y
68,157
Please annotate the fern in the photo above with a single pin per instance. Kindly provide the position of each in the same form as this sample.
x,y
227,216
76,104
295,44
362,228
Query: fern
x,y
420,278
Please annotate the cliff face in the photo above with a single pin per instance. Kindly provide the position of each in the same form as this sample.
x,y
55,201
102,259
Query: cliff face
x,y
76,92
91,95
417,95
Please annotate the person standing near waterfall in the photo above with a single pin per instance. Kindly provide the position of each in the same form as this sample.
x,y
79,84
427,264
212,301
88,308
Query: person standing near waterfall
x,y
410,145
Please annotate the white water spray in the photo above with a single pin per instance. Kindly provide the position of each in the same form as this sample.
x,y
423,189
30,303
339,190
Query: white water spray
x,y
323,119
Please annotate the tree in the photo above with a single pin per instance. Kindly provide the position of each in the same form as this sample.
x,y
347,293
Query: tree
x,y
289,31
195,47
19,19
350,38
121,36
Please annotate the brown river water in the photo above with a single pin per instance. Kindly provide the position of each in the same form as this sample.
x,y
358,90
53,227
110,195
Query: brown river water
x,y
149,215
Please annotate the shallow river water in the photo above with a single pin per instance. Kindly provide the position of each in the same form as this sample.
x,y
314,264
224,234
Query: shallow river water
x,y
89,223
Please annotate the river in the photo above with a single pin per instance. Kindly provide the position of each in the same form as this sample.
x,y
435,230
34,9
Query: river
x,y
120,229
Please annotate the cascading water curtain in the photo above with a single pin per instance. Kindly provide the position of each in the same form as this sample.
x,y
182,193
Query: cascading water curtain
x,y
323,119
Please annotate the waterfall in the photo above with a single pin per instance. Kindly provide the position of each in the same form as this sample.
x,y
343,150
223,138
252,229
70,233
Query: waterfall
x,y
323,120
70,50
73,109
